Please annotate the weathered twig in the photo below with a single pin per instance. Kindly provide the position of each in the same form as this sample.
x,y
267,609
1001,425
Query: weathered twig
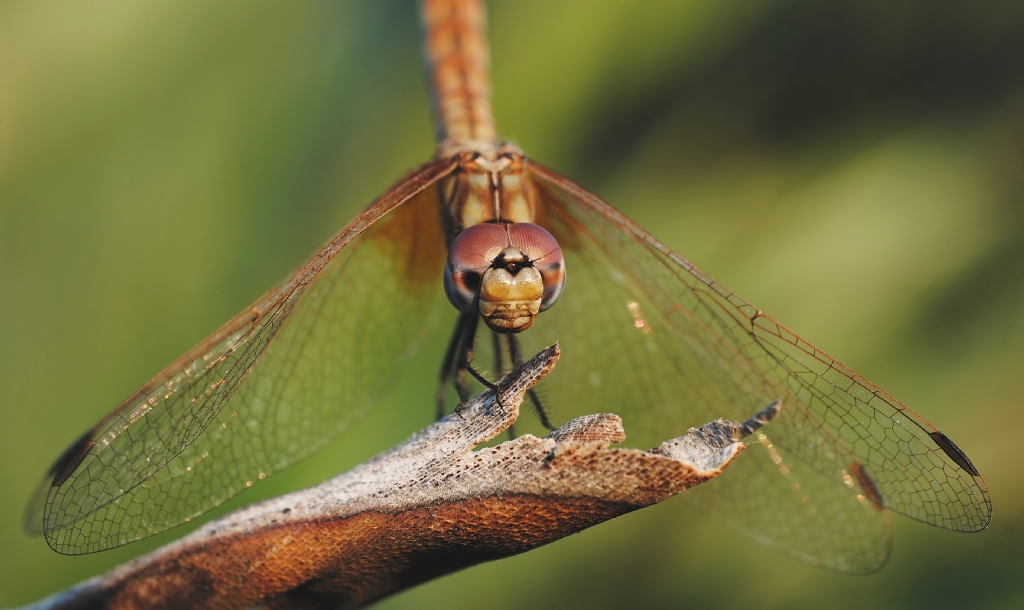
x,y
428,507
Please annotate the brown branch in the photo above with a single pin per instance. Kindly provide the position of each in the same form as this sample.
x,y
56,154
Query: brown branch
x,y
428,507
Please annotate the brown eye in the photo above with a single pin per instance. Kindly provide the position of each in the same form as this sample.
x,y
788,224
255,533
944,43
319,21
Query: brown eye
x,y
542,250
469,256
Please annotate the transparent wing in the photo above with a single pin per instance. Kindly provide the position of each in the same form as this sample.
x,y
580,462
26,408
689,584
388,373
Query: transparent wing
x,y
270,387
682,350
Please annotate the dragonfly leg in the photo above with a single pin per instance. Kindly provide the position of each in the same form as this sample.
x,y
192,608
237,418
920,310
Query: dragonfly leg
x,y
458,360
483,380
499,356
517,360
448,366
462,363
464,355
499,370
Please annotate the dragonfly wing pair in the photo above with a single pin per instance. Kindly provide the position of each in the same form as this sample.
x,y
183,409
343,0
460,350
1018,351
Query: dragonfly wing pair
x,y
644,334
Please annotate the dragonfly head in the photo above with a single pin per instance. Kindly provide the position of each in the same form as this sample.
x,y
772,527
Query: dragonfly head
x,y
508,273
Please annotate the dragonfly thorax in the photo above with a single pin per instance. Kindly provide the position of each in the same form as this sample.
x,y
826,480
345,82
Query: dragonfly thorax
x,y
489,186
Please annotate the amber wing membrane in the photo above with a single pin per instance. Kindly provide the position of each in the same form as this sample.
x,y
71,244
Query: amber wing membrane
x,y
270,387
647,335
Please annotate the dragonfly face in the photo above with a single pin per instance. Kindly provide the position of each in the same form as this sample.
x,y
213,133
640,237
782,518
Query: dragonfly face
x,y
508,273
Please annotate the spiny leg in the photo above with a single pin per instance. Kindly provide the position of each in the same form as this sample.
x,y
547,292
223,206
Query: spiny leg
x,y
465,356
464,363
499,357
517,360
452,356
499,370
458,360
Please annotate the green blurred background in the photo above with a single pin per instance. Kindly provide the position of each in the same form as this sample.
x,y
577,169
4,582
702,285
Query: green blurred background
x,y
854,168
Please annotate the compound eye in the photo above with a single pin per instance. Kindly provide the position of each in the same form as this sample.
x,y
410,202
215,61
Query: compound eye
x,y
469,256
542,250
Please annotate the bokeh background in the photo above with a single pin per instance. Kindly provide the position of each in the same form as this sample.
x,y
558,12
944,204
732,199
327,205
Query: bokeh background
x,y
854,168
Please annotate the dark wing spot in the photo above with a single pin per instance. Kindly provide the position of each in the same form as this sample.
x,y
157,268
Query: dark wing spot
x,y
954,452
71,458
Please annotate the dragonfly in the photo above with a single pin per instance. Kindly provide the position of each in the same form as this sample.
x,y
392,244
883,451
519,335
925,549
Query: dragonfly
x,y
535,258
